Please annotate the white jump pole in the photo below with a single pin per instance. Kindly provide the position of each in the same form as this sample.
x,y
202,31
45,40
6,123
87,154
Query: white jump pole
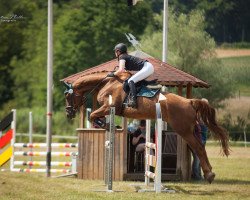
x,y
154,160
147,167
106,153
30,132
30,127
111,144
13,126
158,149
88,111
157,146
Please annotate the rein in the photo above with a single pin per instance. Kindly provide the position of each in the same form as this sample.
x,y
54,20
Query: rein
x,y
99,83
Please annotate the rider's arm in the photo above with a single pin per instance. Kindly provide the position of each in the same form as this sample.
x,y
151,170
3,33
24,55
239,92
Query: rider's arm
x,y
135,140
121,67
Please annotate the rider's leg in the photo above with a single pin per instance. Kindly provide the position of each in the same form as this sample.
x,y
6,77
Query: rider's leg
x,y
133,94
145,72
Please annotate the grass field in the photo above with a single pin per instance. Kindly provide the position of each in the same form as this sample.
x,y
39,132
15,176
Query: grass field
x,y
238,69
236,65
232,182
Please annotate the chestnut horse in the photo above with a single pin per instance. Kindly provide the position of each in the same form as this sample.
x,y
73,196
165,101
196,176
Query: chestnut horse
x,y
179,112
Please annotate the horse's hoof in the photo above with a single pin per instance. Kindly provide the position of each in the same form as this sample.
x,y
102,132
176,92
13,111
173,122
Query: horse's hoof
x,y
210,177
99,123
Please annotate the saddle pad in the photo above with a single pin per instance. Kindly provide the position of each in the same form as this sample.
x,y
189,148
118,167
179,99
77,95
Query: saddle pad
x,y
146,92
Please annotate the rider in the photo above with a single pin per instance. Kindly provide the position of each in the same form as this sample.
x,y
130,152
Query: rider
x,y
131,63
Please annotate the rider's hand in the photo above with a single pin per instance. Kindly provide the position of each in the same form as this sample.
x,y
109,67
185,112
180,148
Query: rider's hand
x,y
111,74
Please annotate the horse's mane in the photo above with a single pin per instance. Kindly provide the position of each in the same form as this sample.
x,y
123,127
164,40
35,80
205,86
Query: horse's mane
x,y
98,76
125,75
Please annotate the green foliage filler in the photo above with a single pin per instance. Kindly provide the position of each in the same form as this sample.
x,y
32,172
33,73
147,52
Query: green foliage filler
x,y
85,33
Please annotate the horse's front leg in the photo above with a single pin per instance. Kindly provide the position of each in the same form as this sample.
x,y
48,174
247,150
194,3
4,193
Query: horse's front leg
x,y
99,113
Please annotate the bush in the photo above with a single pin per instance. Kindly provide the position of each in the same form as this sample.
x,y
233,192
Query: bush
x,y
236,128
60,124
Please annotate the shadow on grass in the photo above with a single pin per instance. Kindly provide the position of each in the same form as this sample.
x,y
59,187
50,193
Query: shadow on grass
x,y
196,190
232,181
223,181
179,189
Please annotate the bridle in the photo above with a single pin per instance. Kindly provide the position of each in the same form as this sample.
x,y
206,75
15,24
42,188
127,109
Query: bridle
x,y
70,108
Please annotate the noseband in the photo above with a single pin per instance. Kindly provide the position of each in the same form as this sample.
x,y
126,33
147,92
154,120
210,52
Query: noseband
x,y
70,109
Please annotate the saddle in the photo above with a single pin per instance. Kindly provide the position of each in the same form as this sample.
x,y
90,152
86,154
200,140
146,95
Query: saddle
x,y
142,90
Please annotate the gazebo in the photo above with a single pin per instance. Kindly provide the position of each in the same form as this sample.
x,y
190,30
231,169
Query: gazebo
x,y
90,164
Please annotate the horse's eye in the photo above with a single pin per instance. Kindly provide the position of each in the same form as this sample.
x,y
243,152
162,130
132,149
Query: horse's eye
x,y
70,91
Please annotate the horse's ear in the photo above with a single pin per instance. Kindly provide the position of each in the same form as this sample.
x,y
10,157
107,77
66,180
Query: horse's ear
x,y
67,85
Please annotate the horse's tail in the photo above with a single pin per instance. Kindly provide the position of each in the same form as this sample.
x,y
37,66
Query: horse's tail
x,y
207,114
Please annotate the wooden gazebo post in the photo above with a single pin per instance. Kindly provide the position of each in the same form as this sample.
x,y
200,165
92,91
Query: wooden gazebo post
x,y
183,166
82,116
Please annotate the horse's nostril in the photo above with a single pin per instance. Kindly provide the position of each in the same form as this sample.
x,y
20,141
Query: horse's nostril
x,y
69,117
70,112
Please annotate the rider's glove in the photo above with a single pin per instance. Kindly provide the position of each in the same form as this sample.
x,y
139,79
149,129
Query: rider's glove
x,y
111,74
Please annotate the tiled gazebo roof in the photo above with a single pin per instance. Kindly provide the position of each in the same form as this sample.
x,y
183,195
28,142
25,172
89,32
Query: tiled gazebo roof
x,y
164,73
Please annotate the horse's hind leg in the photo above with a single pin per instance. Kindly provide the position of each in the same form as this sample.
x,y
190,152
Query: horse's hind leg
x,y
209,165
205,157
199,149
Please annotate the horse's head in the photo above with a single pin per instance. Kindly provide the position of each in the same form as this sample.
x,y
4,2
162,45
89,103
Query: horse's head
x,y
92,82
73,100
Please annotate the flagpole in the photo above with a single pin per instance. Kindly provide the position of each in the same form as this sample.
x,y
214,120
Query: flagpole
x,y
165,32
49,85
165,44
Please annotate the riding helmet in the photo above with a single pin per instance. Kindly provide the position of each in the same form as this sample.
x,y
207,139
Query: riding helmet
x,y
121,47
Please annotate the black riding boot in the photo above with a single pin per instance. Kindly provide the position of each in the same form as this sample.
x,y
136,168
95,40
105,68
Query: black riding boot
x,y
133,102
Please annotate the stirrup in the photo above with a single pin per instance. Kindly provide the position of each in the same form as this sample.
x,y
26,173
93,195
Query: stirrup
x,y
132,104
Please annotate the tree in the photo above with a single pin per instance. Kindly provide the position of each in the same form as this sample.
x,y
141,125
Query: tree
x,y
29,72
88,31
226,21
11,40
192,50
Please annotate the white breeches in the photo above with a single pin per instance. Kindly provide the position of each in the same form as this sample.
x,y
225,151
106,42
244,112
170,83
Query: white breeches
x,y
144,73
